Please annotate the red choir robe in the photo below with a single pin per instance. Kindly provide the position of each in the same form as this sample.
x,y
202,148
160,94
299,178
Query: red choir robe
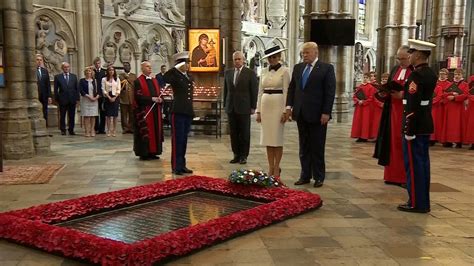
x,y
377,106
437,110
468,137
388,148
148,134
454,114
361,122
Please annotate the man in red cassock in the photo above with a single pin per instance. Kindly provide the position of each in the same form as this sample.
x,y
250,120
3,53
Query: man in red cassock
x,y
439,102
361,122
148,132
468,137
454,110
388,148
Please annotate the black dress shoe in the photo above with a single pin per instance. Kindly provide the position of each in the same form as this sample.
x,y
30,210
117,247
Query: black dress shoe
x,y
153,157
187,170
318,183
100,132
235,160
63,132
472,147
243,161
361,140
72,133
301,182
407,208
178,172
144,158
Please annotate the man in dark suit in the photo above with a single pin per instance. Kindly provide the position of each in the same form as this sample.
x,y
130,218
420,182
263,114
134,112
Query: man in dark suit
x,y
182,112
310,98
240,101
160,77
44,85
99,73
66,93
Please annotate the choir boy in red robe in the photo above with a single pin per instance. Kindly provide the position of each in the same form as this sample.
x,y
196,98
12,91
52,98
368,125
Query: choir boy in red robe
x,y
437,110
361,122
377,104
469,115
454,110
388,148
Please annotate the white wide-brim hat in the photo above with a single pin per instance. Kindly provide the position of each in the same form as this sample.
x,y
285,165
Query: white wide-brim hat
x,y
180,58
273,50
418,45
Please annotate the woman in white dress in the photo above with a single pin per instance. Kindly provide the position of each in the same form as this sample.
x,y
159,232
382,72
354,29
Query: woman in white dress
x,y
271,107
89,101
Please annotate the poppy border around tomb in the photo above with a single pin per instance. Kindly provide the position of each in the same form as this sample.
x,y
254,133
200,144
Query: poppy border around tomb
x,y
35,226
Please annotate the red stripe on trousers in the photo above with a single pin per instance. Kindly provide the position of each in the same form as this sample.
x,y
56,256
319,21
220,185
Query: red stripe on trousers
x,y
412,173
173,143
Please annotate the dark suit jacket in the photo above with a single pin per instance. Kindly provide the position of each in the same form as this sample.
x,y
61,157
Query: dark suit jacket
x,y
98,79
182,91
318,95
84,87
161,80
66,93
240,99
44,85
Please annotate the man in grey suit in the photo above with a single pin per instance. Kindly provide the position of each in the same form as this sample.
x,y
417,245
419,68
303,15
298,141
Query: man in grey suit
x,y
240,101
310,98
66,93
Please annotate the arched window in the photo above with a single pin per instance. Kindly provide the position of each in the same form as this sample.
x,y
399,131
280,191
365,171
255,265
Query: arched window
x,y
362,17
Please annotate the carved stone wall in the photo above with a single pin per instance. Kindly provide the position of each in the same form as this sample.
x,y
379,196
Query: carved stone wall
x,y
137,30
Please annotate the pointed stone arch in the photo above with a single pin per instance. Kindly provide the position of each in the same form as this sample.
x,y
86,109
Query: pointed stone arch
x,y
157,45
62,27
121,25
371,57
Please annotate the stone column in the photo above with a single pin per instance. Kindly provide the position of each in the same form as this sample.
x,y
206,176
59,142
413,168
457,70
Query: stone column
x,y
40,133
80,38
469,27
94,22
397,24
14,116
445,28
293,33
339,56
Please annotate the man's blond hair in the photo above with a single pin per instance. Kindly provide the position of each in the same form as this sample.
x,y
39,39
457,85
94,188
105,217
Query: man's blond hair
x,y
309,45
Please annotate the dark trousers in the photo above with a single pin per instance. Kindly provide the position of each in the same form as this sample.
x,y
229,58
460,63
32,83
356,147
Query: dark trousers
x,y
126,117
180,126
239,126
45,110
417,165
71,112
312,141
100,120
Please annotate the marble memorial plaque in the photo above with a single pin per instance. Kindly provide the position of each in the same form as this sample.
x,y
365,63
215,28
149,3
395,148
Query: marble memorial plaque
x,y
150,219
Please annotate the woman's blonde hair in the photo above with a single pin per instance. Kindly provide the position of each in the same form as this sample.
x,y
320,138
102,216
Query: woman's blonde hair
x,y
88,68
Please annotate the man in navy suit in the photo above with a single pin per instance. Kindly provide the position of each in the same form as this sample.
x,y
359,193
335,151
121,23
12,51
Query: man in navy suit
x,y
99,73
66,93
310,98
44,85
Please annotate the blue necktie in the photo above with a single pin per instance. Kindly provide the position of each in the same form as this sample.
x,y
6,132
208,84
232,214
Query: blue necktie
x,y
305,77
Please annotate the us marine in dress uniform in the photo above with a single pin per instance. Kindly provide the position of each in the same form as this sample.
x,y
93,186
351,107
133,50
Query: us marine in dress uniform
x,y
417,127
182,112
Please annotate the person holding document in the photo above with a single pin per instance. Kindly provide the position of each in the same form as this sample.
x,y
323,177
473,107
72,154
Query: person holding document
x,y
148,134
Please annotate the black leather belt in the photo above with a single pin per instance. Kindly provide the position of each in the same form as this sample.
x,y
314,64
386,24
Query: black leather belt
x,y
273,91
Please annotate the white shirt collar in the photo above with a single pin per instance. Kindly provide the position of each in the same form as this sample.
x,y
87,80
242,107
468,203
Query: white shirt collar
x,y
314,62
240,68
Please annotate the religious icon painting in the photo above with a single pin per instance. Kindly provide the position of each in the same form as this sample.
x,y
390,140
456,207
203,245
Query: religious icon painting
x,y
204,46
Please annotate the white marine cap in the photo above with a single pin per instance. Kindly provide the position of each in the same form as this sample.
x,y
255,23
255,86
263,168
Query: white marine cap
x,y
180,58
418,45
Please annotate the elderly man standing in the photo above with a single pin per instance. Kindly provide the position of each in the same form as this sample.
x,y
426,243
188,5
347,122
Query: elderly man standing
x,y
240,101
310,98
127,79
418,126
148,133
66,93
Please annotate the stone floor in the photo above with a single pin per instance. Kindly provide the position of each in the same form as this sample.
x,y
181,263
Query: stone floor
x,y
358,224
